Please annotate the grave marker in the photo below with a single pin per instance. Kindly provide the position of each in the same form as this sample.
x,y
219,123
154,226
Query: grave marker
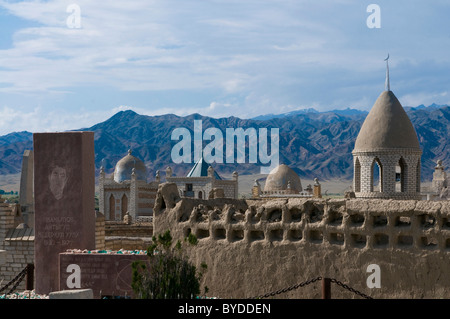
x,y
64,184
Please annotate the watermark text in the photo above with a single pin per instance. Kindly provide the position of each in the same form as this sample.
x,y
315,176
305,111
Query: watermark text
x,y
213,152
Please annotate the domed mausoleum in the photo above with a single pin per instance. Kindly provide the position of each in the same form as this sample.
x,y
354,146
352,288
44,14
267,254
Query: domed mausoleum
x,y
127,190
283,178
387,153
283,182
125,166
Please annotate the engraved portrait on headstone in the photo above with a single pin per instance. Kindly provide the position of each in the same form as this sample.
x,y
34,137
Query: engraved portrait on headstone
x,y
57,179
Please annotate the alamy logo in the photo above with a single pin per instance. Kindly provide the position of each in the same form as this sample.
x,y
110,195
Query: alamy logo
x,y
73,21
374,279
374,19
213,152
74,279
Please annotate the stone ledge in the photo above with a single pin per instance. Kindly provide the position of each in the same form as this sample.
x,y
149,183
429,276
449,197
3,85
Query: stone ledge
x,y
387,151
72,294
388,195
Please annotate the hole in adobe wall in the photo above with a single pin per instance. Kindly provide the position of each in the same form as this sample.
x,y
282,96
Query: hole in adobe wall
x,y
202,233
219,233
200,216
274,216
276,234
356,219
255,214
381,240
402,221
334,217
216,214
379,221
447,243
316,236
428,242
184,216
237,216
296,214
337,238
427,221
405,240
358,240
445,222
237,234
256,235
315,213
295,234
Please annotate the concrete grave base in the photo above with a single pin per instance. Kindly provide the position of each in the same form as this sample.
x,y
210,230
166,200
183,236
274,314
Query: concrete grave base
x,y
72,294
106,274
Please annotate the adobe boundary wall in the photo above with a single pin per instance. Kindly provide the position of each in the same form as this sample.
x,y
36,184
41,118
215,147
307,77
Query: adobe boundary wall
x,y
253,247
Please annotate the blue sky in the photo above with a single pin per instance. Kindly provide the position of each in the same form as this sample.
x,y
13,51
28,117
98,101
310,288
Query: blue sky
x,y
214,57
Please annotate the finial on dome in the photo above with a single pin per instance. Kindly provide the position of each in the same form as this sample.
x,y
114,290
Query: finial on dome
x,y
102,167
129,151
387,84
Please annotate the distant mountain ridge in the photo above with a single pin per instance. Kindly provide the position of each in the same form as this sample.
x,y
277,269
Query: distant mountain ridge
x,y
314,144
347,111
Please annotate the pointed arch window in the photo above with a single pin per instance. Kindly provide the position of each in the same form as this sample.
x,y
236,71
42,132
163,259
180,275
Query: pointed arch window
x,y
401,175
124,207
112,206
376,178
357,176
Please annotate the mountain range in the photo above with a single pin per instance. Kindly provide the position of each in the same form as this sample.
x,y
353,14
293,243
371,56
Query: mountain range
x,y
314,144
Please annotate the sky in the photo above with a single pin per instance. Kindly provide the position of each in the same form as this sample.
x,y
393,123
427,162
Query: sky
x,y
69,64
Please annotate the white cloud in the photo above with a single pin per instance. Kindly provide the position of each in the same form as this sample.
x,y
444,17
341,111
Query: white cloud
x,y
415,99
152,45
257,56
35,120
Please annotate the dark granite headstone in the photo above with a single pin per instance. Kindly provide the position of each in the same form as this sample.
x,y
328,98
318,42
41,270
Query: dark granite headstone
x,y
64,186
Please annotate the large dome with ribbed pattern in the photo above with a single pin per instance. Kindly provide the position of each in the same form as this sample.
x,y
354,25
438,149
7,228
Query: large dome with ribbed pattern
x,y
125,166
280,177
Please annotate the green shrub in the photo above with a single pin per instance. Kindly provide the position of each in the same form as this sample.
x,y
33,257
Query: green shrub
x,y
168,273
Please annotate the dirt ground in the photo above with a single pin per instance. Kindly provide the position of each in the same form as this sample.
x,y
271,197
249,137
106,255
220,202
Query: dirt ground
x,y
10,182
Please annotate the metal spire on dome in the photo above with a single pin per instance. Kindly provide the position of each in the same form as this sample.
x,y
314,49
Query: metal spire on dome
x,y
387,84
102,167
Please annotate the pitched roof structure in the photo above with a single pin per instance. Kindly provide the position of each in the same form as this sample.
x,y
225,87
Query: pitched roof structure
x,y
200,169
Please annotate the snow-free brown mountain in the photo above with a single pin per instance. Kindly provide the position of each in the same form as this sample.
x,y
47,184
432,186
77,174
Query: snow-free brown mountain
x,y
314,144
